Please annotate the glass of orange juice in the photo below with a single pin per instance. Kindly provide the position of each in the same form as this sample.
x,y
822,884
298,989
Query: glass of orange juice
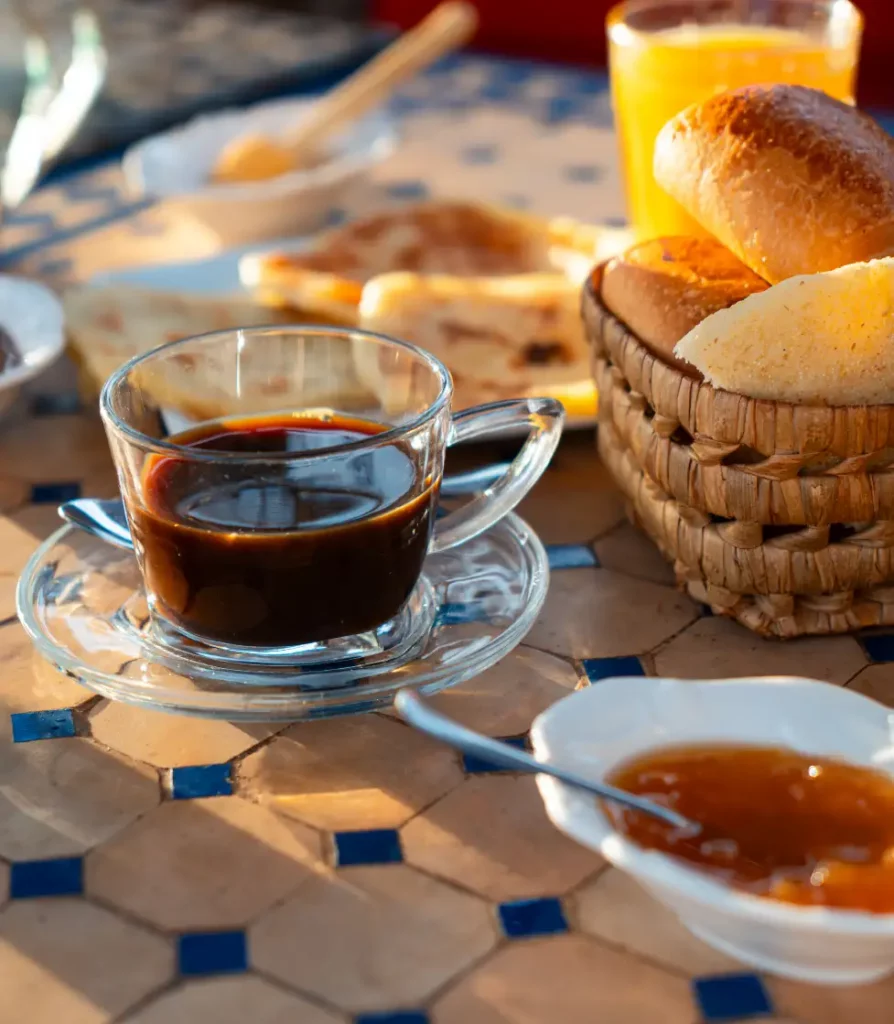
x,y
666,54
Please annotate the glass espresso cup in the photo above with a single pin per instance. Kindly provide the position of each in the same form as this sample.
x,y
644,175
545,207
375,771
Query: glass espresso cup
x,y
281,483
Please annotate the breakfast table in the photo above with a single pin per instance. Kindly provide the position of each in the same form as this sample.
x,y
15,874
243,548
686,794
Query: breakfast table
x,y
157,869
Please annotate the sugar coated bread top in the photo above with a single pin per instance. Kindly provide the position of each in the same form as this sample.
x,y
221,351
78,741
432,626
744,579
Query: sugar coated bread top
x,y
787,178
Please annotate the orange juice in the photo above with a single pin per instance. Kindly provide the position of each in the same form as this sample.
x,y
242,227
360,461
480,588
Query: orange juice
x,y
655,74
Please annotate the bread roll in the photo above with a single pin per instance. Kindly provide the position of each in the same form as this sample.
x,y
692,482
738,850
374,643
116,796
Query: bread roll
x,y
792,181
662,288
823,339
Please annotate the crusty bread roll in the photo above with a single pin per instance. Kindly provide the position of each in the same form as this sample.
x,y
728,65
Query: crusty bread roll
x,y
822,339
792,181
662,288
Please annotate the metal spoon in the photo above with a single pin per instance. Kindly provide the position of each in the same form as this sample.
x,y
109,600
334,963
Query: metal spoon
x,y
418,714
105,518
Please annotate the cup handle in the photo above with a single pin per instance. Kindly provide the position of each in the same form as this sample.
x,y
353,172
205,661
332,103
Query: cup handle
x,y
544,417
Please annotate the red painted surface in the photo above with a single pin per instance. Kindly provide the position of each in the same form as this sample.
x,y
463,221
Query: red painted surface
x,y
573,30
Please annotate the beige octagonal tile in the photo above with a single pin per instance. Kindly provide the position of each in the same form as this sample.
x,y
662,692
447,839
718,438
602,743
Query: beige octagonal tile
x,y
877,682
66,960
492,835
366,771
21,532
630,552
170,741
28,682
576,500
8,597
13,492
54,449
504,700
60,797
372,938
236,1000
569,979
615,908
194,864
825,1004
718,648
596,613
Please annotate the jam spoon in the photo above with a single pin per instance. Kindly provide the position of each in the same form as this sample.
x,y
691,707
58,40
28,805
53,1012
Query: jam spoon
x,y
420,715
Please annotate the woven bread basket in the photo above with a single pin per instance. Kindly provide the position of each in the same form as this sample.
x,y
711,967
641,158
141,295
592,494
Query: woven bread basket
x,y
779,515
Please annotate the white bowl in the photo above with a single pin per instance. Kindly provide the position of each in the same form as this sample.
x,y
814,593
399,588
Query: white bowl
x,y
594,729
32,316
176,166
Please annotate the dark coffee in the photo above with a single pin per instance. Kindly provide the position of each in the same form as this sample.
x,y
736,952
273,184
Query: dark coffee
x,y
283,553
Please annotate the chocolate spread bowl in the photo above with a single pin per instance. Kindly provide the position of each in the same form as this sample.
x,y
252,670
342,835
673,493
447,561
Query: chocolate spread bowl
x,y
594,730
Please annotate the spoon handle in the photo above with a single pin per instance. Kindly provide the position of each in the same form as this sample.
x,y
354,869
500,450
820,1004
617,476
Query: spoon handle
x,y
448,26
418,714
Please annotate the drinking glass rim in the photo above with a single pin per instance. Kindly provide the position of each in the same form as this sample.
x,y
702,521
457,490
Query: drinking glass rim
x,y
161,447
617,14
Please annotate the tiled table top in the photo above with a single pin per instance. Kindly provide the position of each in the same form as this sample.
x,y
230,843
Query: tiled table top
x,y
165,870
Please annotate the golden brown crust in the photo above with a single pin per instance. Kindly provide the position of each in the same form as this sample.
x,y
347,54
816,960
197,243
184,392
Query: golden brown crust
x,y
663,288
789,179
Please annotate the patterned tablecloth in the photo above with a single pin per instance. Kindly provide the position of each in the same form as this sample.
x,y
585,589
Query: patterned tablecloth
x,y
165,870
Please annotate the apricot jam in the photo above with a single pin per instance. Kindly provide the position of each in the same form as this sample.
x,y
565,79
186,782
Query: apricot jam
x,y
776,823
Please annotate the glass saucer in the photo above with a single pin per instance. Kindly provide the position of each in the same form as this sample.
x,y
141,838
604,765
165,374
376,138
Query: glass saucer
x,y
82,603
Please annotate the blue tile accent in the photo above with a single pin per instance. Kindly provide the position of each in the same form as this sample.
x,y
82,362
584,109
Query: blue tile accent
x,y
84,191
497,91
615,222
367,846
571,556
65,404
63,876
201,780
212,953
481,154
879,647
455,613
407,190
55,493
727,997
393,1017
582,174
524,919
22,219
335,215
401,105
559,109
42,725
607,668
587,83
55,267
478,765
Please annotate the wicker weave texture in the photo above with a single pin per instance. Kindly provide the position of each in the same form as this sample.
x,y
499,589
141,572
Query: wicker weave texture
x,y
787,540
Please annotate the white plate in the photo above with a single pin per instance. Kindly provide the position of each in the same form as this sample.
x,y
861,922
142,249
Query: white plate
x,y
175,166
219,275
32,316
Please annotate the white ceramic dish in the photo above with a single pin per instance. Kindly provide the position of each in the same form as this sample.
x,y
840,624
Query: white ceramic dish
x,y
32,316
175,166
596,728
